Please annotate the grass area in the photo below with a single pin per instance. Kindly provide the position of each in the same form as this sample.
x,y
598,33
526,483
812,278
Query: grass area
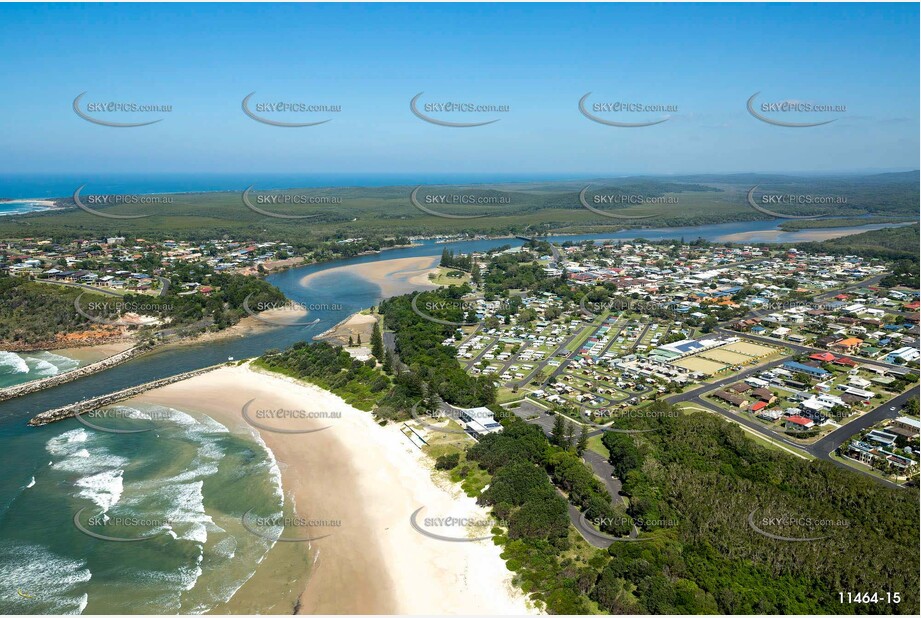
x,y
595,444
587,332
449,276
506,394
475,480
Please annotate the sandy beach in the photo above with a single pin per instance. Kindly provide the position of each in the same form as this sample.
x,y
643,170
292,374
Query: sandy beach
x,y
807,235
355,326
395,277
271,318
95,353
371,479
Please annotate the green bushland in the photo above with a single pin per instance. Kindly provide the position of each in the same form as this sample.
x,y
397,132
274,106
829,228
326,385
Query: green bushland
x,y
529,208
692,485
33,313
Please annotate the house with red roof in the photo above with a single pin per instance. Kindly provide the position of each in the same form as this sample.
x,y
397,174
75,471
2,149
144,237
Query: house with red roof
x,y
824,357
798,423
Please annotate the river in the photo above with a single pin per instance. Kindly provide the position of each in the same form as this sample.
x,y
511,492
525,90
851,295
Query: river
x,y
191,470
350,294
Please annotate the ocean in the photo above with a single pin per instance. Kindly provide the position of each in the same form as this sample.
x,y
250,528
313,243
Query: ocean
x,y
37,186
185,484
189,480
16,368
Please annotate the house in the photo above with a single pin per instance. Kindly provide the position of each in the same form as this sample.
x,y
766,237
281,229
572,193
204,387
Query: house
x,y
733,400
907,423
739,388
809,370
798,423
903,356
758,406
883,438
848,345
478,421
824,357
764,395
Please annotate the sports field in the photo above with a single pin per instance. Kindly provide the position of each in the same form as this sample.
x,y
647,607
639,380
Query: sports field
x,y
750,349
696,363
722,355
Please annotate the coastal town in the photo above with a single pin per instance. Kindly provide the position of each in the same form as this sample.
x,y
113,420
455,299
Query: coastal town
x,y
794,346
460,309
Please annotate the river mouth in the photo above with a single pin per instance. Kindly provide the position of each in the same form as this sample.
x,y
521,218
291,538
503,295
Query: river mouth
x,y
335,298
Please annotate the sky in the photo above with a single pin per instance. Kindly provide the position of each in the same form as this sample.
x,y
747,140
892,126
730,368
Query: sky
x,y
537,59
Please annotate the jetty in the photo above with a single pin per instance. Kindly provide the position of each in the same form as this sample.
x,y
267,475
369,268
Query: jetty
x,y
88,405
36,385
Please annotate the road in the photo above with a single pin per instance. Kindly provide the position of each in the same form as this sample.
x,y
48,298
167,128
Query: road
x,y
805,349
89,288
821,449
599,465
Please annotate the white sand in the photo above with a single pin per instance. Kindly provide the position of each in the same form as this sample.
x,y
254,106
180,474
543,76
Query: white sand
x,y
372,479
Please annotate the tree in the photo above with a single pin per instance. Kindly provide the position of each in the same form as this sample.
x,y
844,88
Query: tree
x,y
557,434
377,342
351,341
583,440
387,364
359,339
570,434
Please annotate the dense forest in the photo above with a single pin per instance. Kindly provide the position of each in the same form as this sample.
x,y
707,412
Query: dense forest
x,y
34,313
693,484
419,345
359,383
889,243
371,218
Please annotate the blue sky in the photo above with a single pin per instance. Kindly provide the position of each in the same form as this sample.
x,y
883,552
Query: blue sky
x,y
538,59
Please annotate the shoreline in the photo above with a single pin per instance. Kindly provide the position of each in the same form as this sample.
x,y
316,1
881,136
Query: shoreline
x,y
368,477
393,277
